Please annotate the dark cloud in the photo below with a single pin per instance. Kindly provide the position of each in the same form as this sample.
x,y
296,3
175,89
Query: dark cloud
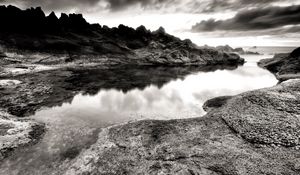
x,y
186,6
287,32
212,6
255,19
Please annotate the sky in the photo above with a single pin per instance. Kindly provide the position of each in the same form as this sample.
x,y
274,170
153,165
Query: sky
x,y
205,22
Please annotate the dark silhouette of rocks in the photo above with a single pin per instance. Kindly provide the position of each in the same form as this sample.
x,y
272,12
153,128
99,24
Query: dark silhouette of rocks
x,y
295,53
34,20
31,30
284,66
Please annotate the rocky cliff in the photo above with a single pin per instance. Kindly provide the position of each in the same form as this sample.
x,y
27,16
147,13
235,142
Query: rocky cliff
x,y
51,40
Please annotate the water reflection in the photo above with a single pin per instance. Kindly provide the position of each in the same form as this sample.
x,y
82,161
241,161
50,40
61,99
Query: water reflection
x,y
127,95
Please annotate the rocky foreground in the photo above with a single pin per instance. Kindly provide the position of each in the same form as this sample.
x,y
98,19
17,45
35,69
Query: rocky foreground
x,y
30,37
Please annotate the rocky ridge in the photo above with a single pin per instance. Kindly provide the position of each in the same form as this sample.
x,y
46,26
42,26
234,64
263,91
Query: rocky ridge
x,y
32,37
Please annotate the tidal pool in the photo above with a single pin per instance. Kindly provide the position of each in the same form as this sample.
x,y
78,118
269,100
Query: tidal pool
x,y
155,94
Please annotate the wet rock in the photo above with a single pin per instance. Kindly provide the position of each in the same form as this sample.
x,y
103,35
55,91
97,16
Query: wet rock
x,y
16,133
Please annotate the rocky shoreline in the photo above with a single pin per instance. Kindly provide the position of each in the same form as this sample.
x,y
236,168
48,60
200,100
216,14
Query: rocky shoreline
x,y
254,132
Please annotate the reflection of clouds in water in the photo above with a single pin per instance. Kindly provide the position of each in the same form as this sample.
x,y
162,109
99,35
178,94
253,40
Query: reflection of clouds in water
x,y
176,99
179,97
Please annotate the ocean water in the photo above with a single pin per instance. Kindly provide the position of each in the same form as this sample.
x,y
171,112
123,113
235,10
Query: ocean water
x,y
74,125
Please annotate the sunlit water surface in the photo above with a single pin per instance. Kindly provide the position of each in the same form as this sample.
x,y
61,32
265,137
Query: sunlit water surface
x,y
74,126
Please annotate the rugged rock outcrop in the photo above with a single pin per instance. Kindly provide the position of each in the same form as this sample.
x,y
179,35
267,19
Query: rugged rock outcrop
x,y
284,66
238,50
51,40
255,132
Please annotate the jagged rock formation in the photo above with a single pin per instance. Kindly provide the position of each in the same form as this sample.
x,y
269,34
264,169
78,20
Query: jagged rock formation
x,y
238,50
284,66
70,38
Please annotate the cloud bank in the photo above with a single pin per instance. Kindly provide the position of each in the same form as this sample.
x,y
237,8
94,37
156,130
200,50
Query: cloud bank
x,y
254,19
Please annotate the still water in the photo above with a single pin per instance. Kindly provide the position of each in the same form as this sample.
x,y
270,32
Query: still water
x,y
74,125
